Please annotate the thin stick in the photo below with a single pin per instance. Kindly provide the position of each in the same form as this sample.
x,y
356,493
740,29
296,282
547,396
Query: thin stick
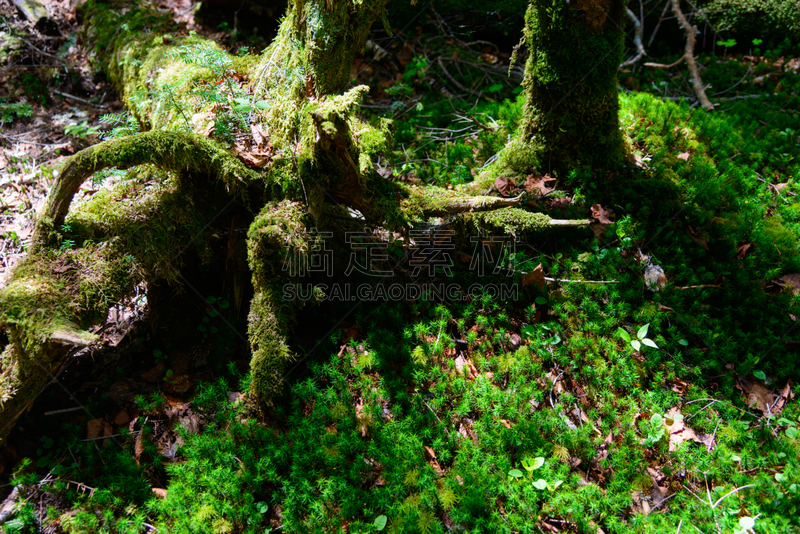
x,y
65,410
637,39
81,100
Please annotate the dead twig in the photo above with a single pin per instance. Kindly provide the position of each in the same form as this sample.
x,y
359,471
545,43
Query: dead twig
x,y
81,100
637,39
688,55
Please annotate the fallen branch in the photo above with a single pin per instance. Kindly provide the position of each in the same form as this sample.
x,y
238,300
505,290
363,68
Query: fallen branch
x,y
81,100
688,56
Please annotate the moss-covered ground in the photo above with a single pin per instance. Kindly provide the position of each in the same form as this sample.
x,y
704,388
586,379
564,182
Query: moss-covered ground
x,y
578,406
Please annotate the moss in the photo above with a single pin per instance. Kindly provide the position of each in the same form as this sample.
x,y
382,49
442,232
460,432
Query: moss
x,y
513,221
276,235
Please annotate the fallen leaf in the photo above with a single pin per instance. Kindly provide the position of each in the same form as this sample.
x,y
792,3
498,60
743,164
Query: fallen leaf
x,y
684,156
790,281
538,184
679,432
758,396
778,187
504,185
138,447
260,135
654,277
432,461
94,429
741,252
161,493
122,418
534,277
601,215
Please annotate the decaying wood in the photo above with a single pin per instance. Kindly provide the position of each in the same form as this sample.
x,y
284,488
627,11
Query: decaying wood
x,y
37,14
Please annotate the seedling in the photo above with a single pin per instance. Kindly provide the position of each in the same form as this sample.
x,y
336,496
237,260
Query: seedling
x,y
641,338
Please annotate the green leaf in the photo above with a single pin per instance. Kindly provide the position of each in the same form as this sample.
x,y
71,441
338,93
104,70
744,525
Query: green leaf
x,y
262,104
757,42
528,330
262,507
780,477
538,462
643,331
621,332
736,458
747,522
541,301
636,345
380,522
761,375
242,101
516,473
494,88
213,313
211,300
683,342
540,484
650,343
555,485
791,432
224,304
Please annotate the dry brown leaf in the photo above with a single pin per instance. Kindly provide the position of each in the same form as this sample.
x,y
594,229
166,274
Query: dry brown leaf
x,y
122,418
778,187
505,423
791,281
534,277
138,447
431,456
741,252
504,185
260,135
654,277
758,396
161,493
94,429
679,432
684,156
601,215
538,184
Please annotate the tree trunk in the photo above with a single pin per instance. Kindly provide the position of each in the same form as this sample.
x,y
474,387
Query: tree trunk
x,y
571,106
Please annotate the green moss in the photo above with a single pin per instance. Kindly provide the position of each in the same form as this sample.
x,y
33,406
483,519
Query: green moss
x,y
571,112
513,221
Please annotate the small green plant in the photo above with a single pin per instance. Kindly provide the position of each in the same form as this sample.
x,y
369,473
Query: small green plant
x,y
640,339
81,130
16,110
729,43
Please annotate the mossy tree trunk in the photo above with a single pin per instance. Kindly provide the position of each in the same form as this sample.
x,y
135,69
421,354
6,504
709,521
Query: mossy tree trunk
x,y
570,87
308,158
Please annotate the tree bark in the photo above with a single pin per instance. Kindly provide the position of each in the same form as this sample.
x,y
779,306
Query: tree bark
x,y
571,106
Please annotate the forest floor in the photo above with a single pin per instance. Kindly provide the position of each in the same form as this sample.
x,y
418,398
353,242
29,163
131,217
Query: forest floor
x,y
642,380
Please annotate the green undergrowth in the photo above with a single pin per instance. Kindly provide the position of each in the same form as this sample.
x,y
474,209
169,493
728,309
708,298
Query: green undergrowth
x,y
567,430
